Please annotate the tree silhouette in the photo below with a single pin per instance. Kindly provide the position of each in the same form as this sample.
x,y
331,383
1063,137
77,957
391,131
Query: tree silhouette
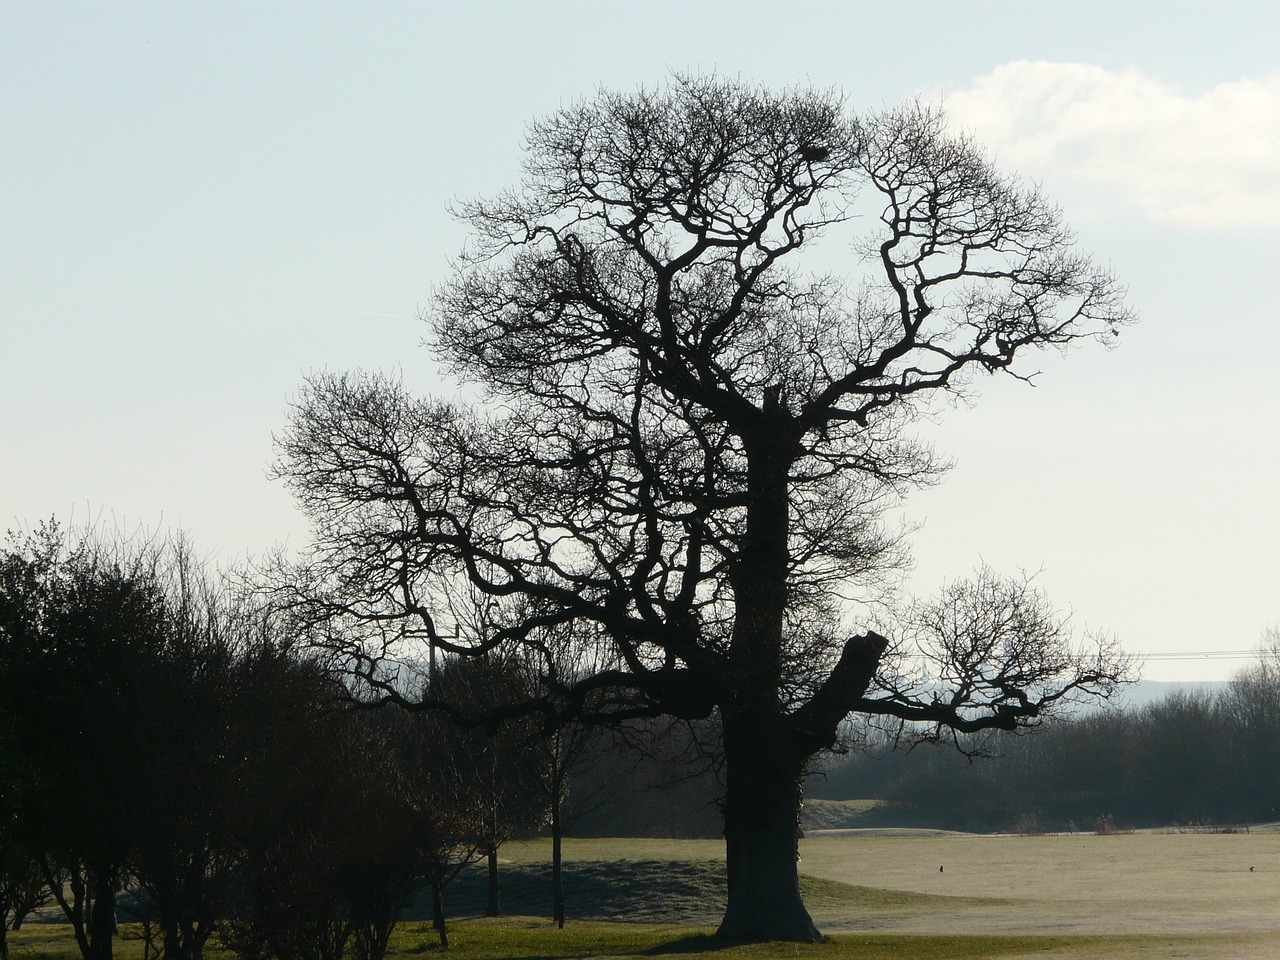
x,y
82,627
700,333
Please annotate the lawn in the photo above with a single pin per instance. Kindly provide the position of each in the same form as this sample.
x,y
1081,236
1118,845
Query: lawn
x,y
480,938
1128,897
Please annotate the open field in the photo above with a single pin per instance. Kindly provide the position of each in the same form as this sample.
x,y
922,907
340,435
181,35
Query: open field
x,y
880,894
1130,895
514,939
1197,888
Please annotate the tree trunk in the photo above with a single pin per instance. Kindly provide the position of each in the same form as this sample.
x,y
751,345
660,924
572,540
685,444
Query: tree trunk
x,y
183,940
75,909
437,915
557,866
174,947
197,935
102,921
761,830
495,902
763,758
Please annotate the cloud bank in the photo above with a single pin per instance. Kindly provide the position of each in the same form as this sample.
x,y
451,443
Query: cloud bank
x,y
1135,142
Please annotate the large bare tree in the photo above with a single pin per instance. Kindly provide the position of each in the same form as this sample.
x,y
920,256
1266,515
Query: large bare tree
x,y
699,333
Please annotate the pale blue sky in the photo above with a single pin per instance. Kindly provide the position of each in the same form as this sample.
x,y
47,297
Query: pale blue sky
x,y
200,203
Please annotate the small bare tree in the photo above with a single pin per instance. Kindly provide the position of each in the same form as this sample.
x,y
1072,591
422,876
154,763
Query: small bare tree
x,y
23,889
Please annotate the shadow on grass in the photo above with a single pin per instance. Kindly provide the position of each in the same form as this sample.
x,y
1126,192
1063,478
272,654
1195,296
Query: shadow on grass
x,y
692,943
687,892
635,891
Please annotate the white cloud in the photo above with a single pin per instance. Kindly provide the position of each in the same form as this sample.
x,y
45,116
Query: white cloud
x,y
1210,160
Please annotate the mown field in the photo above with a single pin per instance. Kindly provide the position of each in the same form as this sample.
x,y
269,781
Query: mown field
x,y
878,894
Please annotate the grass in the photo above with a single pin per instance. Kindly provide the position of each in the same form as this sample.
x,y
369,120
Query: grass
x,y
636,890
823,894
526,939
837,814
507,939
663,891
1132,897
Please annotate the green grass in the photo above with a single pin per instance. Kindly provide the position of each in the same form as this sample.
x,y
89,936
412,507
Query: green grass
x,y
639,891
659,891
837,814
526,939
615,849
508,939
821,893
1138,897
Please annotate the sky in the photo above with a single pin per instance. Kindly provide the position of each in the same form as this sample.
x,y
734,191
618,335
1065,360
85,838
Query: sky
x,y
201,203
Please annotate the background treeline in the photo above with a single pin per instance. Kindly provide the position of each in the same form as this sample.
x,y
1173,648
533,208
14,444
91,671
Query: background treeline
x,y
1208,758
174,752
178,755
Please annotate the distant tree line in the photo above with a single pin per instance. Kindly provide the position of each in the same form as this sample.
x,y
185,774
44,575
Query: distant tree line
x,y
1193,758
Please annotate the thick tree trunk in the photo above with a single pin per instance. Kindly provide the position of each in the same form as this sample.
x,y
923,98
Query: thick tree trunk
x,y
761,829
102,921
763,757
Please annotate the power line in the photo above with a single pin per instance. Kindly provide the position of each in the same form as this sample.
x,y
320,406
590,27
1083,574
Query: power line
x,y
1179,655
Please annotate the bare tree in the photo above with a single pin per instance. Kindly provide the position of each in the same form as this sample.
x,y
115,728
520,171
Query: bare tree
x,y
450,807
690,433
23,888
557,753
497,759
1252,706
187,772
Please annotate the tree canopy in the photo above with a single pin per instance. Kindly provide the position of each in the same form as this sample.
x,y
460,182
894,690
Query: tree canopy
x,y
700,331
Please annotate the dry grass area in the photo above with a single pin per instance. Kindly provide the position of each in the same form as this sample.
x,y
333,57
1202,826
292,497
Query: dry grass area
x,y
1140,895
1200,895
1144,896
